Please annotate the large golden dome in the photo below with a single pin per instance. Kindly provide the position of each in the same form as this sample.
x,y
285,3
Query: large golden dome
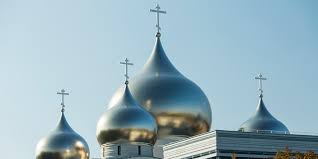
x,y
179,105
62,143
126,121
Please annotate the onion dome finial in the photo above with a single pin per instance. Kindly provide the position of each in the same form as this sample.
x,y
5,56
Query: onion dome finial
x,y
63,93
126,63
158,11
261,79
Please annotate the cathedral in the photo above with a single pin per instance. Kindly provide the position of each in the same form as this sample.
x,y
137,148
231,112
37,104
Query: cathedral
x,y
160,113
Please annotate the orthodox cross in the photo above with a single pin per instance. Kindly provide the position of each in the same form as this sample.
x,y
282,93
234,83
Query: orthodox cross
x,y
63,93
158,11
261,79
126,71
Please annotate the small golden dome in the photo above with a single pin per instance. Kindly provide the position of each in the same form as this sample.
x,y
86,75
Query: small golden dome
x,y
62,143
126,121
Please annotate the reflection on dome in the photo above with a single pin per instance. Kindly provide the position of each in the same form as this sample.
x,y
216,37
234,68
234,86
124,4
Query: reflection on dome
x,y
126,136
179,105
181,122
62,143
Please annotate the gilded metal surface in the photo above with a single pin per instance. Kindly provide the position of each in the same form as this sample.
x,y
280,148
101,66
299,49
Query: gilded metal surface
x,y
126,121
262,121
179,105
62,143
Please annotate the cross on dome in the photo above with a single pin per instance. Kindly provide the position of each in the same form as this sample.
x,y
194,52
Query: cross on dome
x,y
261,79
126,63
158,11
63,93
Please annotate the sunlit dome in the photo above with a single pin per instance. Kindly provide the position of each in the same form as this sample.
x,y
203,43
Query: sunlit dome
x,y
62,143
126,122
263,122
180,107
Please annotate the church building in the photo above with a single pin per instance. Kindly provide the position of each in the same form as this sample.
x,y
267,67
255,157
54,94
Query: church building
x,y
160,113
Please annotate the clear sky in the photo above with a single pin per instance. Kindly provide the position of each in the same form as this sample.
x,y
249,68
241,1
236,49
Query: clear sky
x,y
219,44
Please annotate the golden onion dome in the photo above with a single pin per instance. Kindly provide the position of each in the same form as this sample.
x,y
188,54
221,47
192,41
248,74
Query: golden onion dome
x,y
263,122
62,143
126,121
179,106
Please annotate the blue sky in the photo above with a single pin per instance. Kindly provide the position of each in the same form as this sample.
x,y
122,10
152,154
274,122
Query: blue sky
x,y
221,45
